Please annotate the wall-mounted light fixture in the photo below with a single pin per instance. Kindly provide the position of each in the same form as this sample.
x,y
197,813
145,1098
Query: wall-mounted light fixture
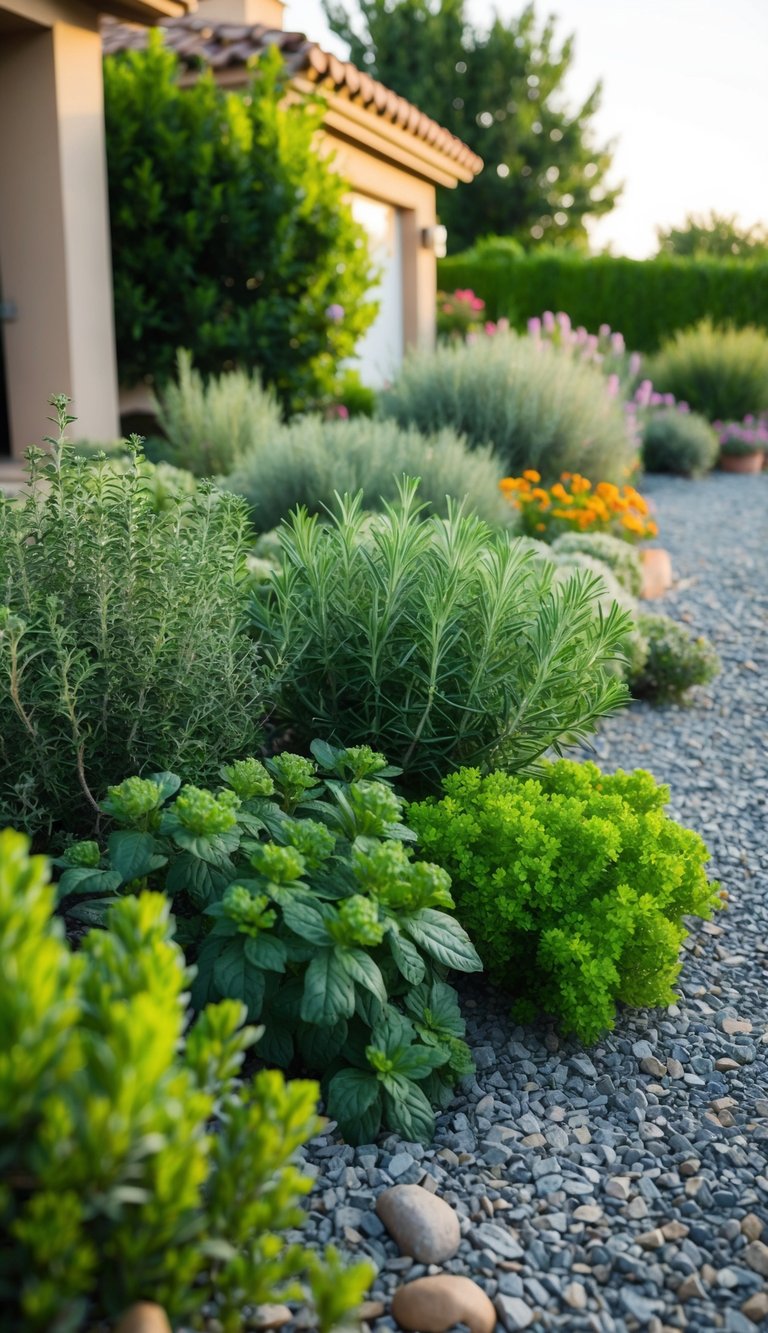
x,y
435,239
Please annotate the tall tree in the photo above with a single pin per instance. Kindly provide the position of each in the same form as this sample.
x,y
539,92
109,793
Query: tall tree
x,y
502,92
715,235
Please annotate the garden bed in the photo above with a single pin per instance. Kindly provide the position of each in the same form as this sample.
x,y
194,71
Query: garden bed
x,y
626,1185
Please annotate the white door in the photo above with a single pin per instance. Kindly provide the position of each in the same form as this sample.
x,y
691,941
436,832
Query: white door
x,y
380,351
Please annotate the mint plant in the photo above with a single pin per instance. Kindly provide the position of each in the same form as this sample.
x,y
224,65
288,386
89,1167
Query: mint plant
x,y
299,895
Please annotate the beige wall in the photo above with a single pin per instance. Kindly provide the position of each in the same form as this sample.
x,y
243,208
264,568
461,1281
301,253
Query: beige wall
x,y
415,198
55,260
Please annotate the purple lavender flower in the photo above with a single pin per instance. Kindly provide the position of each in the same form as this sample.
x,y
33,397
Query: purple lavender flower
x,y
612,385
548,320
635,362
617,343
335,312
534,326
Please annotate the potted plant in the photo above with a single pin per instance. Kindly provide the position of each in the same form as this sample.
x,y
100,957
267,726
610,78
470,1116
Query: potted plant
x,y
743,444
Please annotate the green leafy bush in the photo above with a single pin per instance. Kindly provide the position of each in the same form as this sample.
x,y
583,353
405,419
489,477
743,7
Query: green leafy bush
x,y
114,1187
634,646
436,640
679,442
212,425
720,372
231,234
121,636
622,559
676,660
533,402
574,885
299,898
312,460
647,299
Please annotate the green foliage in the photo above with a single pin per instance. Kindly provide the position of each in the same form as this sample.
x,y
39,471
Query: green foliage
x,y
648,299
622,559
210,426
300,899
354,396
716,235
634,646
230,232
679,442
720,372
574,885
121,636
538,406
677,659
113,1186
436,640
502,92
312,460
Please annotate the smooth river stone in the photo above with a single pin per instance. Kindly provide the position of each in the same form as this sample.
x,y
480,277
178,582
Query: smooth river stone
x,y
434,1304
422,1224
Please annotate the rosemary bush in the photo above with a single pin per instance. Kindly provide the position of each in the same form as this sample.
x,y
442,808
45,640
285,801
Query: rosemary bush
x,y
435,640
121,637
311,460
212,425
538,406
112,1186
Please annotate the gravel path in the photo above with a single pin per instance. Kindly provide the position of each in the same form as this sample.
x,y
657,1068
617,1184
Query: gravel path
x,y
592,1194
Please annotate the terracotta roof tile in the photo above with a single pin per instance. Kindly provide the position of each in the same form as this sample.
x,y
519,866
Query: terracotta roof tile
x,y
199,41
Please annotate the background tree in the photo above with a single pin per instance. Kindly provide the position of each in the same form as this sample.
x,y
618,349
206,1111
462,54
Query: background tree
x,y
714,235
230,233
502,93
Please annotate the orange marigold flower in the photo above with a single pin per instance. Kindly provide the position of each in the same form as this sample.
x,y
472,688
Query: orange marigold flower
x,y
532,475
508,484
606,490
580,485
559,492
541,527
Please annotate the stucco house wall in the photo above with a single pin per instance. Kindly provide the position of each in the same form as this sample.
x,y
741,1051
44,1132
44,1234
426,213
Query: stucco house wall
x,y
56,329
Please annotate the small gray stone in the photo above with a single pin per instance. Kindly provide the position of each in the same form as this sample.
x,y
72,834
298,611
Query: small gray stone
x,y
513,1312
492,1237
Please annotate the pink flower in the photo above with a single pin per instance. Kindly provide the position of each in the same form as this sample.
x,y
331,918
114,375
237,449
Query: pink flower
x,y
617,343
335,312
643,393
635,362
564,321
342,411
592,342
548,321
489,326
604,331
477,304
534,326
612,385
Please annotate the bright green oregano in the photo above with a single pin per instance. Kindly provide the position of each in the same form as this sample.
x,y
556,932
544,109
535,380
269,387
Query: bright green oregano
x,y
573,884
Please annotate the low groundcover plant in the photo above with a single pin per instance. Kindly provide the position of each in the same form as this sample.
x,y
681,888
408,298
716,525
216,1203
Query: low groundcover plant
x,y
135,1164
573,884
300,897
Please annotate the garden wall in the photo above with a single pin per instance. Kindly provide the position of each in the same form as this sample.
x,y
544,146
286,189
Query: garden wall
x,y
645,299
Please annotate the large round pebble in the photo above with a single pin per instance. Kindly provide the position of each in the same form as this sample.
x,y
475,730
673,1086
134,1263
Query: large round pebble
x,y
423,1225
434,1304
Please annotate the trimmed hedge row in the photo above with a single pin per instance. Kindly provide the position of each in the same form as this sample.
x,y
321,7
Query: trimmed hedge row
x,y
646,299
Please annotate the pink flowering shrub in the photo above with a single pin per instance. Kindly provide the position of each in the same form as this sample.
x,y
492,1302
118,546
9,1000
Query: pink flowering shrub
x,y
460,316
738,438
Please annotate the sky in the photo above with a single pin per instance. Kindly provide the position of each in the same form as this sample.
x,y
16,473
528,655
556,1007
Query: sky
x,y
685,96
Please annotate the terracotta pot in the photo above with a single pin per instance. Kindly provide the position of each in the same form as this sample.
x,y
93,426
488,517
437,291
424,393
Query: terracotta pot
x,y
741,462
657,572
144,1317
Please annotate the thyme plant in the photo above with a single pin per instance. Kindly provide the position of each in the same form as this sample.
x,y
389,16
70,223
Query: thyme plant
x,y
121,634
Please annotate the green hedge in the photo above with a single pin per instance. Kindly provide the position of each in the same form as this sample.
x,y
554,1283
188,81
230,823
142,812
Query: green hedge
x,y
646,299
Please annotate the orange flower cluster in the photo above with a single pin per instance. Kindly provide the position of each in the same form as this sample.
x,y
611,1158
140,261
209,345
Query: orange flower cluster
x,y
573,504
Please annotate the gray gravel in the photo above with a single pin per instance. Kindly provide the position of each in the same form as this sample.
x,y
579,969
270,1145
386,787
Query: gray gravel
x,y
556,1158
